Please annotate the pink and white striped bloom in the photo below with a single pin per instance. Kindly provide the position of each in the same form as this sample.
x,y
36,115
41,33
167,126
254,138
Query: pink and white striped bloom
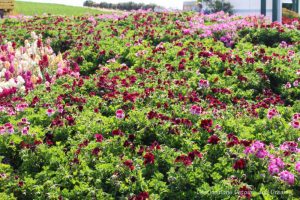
x,y
50,112
120,114
25,130
9,128
288,85
272,113
21,107
203,84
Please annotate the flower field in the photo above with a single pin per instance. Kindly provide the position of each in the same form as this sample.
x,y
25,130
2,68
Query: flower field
x,y
149,105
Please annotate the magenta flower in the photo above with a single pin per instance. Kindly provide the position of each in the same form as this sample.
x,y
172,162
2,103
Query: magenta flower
x,y
196,110
296,116
99,137
289,146
120,114
287,177
297,167
261,153
295,124
273,169
278,162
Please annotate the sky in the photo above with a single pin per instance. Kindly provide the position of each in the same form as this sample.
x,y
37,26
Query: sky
x,y
165,3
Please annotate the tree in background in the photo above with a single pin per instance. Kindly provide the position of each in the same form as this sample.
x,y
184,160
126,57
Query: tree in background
x,y
219,5
88,3
121,6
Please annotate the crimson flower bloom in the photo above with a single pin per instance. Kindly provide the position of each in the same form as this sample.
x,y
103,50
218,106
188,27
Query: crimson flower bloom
x,y
214,139
129,163
245,192
149,158
140,196
206,123
239,164
96,151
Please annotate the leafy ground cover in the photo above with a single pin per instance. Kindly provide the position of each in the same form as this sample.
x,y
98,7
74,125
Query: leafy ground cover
x,y
149,106
32,8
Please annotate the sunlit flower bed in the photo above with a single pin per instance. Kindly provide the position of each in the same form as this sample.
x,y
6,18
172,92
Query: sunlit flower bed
x,y
149,106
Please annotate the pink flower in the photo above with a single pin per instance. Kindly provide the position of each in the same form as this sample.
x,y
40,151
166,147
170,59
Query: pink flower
x,y
288,85
287,177
298,167
272,113
203,84
120,114
258,149
261,153
59,71
50,112
273,169
196,110
278,162
296,83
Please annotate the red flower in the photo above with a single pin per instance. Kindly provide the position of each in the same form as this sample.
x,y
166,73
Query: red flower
x,y
140,196
184,159
214,139
129,163
21,183
206,123
117,132
194,154
149,158
239,164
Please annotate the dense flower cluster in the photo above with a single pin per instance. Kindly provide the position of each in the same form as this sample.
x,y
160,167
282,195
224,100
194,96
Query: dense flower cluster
x,y
149,105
